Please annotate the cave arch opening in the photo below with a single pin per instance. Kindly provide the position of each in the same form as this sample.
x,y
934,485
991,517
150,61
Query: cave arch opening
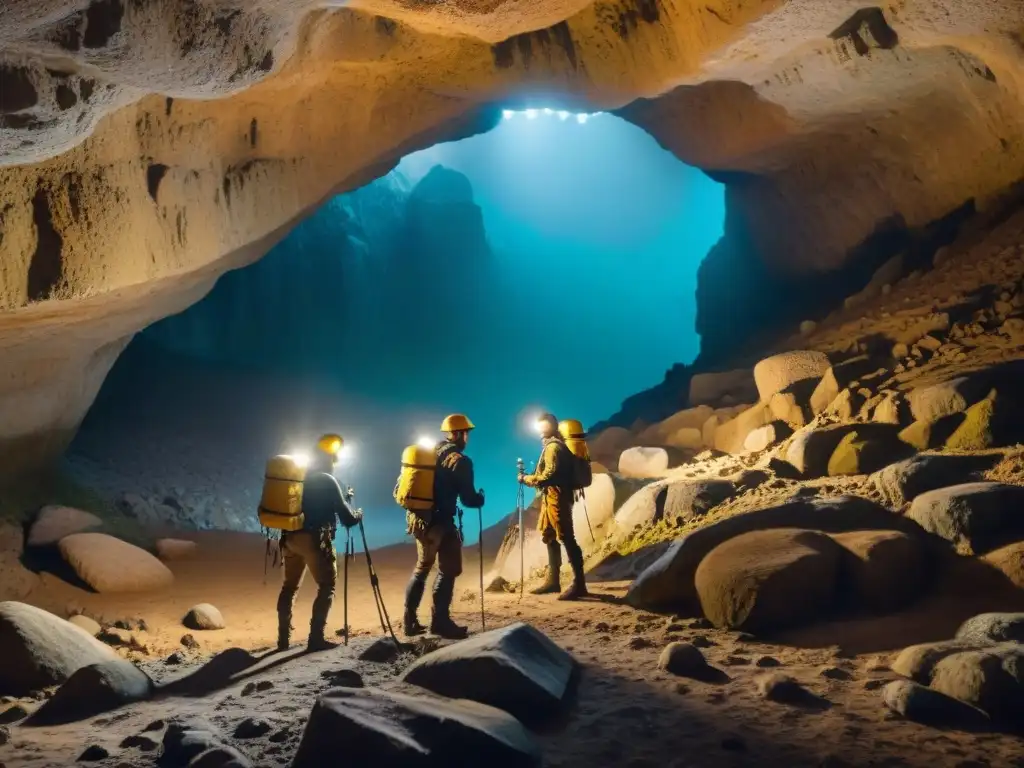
x,y
548,263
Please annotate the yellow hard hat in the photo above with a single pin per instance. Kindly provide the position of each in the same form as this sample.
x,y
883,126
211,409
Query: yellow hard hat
x,y
457,422
330,444
570,429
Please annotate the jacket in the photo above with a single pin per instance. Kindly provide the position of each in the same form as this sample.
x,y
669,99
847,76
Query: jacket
x,y
453,482
554,479
324,504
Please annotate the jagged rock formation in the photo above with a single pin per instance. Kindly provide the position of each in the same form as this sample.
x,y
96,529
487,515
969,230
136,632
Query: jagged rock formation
x,y
274,312
145,149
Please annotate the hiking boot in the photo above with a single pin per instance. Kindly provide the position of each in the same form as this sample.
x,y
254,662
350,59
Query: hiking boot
x,y
443,626
551,584
320,644
549,587
576,590
411,626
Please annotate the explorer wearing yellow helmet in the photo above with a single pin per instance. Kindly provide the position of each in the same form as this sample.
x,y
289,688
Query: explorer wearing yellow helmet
x,y
441,540
554,480
323,505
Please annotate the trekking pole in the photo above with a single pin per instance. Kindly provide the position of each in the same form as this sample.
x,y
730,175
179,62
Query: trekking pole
x,y
382,610
520,501
344,598
583,501
480,517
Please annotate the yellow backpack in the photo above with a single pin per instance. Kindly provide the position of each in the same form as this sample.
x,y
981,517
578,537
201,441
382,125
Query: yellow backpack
x,y
575,440
281,501
414,490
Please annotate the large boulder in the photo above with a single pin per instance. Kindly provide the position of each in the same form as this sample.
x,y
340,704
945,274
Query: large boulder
x,y
991,422
776,373
974,517
767,580
992,628
610,442
53,523
838,377
916,662
766,436
95,689
1009,561
882,570
792,405
866,449
713,388
515,668
110,565
923,705
991,679
374,727
811,449
925,435
605,496
648,461
169,550
38,649
945,398
903,481
669,581
664,431
197,744
731,435
675,501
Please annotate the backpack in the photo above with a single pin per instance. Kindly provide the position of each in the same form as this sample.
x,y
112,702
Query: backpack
x,y
414,490
575,440
281,501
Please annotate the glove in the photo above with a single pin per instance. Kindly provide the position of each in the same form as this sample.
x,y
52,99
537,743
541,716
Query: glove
x,y
520,477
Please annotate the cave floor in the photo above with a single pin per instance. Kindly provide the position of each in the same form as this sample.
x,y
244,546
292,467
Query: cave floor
x,y
625,711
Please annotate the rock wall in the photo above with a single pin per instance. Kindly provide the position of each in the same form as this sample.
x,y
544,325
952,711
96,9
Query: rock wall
x,y
146,148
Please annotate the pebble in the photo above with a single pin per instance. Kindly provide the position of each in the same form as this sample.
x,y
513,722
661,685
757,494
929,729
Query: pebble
x,y
144,743
252,728
93,754
834,673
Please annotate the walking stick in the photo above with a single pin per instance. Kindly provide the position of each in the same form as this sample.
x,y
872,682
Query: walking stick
x,y
583,500
520,500
348,550
480,517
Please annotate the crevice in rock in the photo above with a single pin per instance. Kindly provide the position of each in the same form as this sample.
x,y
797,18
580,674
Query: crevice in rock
x,y
252,133
17,91
154,175
385,26
66,97
47,266
504,53
878,28
102,22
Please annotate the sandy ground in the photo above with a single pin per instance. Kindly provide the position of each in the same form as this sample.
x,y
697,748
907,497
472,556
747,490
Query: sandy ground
x,y
625,712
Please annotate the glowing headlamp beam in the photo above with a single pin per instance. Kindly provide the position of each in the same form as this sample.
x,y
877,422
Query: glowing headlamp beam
x,y
426,442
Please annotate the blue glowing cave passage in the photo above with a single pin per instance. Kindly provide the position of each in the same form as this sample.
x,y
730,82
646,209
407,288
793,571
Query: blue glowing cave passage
x,y
547,264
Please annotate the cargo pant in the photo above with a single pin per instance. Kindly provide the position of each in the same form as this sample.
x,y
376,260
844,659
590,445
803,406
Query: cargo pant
x,y
442,544
556,527
313,550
